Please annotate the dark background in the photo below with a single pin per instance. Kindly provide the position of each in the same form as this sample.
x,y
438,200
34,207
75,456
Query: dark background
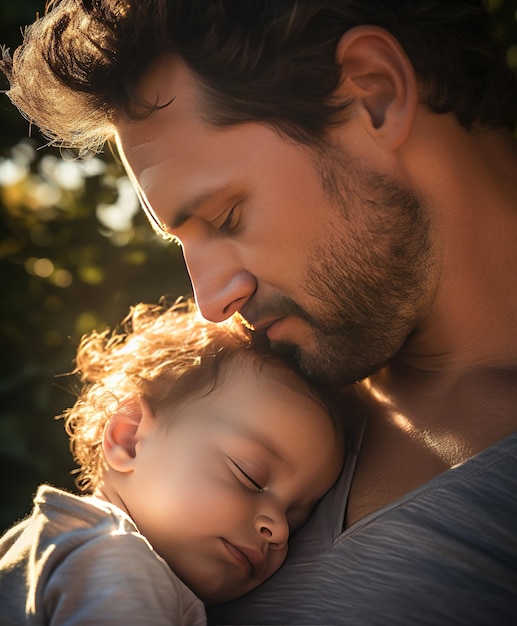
x,y
75,253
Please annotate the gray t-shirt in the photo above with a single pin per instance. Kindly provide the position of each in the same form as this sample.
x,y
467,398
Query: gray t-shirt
x,y
80,561
443,555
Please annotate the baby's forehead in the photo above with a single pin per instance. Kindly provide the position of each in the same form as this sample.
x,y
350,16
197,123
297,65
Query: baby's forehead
x,y
268,366
264,364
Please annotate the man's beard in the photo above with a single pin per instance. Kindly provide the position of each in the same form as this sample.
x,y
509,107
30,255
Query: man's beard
x,y
370,288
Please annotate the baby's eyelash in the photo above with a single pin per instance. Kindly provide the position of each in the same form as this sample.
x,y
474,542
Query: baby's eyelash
x,y
229,222
247,476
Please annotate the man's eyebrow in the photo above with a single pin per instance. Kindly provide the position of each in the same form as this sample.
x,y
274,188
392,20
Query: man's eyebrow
x,y
188,208
180,216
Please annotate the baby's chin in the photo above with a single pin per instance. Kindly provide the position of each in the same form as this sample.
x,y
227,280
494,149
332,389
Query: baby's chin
x,y
222,594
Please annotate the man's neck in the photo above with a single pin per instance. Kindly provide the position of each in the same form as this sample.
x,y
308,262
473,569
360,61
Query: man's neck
x,y
451,391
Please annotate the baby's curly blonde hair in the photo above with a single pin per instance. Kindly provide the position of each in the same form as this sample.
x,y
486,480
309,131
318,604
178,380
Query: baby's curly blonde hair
x,y
160,352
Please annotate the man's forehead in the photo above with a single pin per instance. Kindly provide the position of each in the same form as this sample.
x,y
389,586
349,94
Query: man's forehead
x,y
170,87
167,79
153,140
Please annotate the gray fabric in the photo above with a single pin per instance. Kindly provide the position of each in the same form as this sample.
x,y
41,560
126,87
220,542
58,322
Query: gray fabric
x,y
80,561
446,554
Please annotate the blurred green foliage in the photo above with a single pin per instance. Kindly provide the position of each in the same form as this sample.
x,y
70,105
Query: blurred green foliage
x,y
75,253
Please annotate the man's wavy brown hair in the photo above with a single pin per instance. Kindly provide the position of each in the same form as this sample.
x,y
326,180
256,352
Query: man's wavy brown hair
x,y
256,60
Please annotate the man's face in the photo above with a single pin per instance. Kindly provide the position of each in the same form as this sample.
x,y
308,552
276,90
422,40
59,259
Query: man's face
x,y
316,250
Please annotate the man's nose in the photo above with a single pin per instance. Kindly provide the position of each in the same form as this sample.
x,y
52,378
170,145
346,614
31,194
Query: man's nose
x,y
273,527
221,285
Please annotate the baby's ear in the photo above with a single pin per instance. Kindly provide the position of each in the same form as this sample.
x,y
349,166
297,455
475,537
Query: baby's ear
x,y
132,420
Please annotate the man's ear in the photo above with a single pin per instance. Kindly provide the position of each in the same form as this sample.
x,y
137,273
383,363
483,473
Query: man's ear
x,y
379,77
125,428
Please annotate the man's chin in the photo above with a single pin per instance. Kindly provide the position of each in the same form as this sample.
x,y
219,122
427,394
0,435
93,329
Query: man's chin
x,y
324,366
308,364
290,352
